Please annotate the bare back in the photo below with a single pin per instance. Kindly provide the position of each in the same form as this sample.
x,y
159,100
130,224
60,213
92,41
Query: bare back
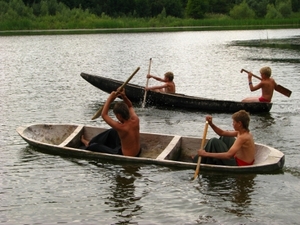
x,y
267,87
129,133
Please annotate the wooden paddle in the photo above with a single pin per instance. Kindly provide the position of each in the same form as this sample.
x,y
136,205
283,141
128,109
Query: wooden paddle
x,y
202,146
98,113
278,87
145,95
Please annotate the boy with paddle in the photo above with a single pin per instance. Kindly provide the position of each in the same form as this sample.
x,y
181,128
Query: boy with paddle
x,y
167,87
124,137
233,148
267,86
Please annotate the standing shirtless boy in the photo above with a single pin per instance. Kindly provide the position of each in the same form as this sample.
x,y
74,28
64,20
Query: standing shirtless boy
x,y
167,87
267,86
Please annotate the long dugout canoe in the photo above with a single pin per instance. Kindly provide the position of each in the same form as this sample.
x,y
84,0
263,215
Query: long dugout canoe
x,y
158,149
180,101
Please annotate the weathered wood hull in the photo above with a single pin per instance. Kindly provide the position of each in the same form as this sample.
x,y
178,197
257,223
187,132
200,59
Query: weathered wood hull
x,y
159,149
163,100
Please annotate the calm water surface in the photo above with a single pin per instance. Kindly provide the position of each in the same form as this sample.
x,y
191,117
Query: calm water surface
x,y
41,83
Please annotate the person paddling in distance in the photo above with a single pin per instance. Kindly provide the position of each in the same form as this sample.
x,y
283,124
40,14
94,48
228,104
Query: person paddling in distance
x,y
167,87
124,136
234,148
267,86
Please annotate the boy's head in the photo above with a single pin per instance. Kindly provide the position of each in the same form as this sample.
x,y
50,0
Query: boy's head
x,y
169,75
122,109
243,117
266,71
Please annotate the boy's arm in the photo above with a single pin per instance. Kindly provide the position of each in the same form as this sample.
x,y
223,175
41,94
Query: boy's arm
x,y
256,87
125,99
218,130
251,86
128,103
105,110
155,77
224,155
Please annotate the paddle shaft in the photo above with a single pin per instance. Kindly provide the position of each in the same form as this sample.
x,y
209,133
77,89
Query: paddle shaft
x,y
98,113
243,70
278,87
202,147
145,95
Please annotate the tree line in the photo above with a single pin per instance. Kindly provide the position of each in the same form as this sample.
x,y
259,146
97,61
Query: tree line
x,y
195,9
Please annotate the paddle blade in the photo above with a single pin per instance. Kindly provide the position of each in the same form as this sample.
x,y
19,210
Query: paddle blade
x,y
283,90
97,114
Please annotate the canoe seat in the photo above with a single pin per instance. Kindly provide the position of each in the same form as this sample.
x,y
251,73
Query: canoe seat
x,y
69,140
173,147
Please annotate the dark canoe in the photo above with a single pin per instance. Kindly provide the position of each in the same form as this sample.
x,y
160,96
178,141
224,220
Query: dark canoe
x,y
163,100
158,149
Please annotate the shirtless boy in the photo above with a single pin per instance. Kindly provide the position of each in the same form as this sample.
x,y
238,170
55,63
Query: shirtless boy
x,y
167,87
267,86
243,147
127,126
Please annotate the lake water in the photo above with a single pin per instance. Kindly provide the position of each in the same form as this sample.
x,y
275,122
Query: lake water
x,y
41,83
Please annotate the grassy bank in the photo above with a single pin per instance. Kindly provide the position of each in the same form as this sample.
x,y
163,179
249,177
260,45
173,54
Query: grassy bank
x,y
81,24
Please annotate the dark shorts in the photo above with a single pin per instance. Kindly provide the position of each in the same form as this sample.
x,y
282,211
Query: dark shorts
x,y
218,145
106,142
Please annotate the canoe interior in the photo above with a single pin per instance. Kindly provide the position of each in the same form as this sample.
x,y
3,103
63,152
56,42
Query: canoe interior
x,y
162,149
180,148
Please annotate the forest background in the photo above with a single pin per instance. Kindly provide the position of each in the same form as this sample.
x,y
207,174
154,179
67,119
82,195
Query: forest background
x,y
88,16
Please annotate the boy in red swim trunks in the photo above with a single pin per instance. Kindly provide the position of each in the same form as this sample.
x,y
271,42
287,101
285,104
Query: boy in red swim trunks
x,y
267,86
228,150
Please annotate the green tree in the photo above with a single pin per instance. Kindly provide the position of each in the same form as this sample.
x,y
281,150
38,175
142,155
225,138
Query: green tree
x,y
197,8
3,8
220,6
284,7
296,5
20,8
259,7
174,8
272,12
143,8
242,11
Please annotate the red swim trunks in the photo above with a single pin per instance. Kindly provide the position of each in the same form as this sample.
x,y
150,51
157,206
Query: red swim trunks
x,y
262,99
240,162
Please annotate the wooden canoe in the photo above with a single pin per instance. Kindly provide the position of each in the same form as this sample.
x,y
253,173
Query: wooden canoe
x,y
164,100
159,149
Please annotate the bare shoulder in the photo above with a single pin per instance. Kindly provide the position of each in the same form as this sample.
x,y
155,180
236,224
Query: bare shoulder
x,y
246,136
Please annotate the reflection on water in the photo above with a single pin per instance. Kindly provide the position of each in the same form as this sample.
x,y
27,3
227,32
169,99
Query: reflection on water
x,y
236,189
123,199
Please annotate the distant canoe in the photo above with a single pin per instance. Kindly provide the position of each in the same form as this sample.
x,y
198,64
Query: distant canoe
x,y
158,149
164,100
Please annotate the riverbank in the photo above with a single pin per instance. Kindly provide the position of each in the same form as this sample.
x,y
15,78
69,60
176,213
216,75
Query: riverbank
x,y
144,29
54,25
